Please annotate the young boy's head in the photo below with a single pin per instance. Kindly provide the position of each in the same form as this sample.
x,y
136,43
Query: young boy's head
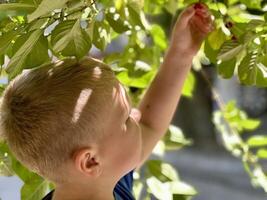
x,y
70,120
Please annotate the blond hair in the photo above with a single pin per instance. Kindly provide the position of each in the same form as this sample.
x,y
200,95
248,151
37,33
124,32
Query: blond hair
x,y
49,112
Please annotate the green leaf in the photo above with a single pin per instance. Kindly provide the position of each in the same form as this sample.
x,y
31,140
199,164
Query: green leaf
x,y
182,188
175,139
140,82
22,172
116,22
158,36
135,14
189,85
15,9
41,23
261,80
169,190
171,6
154,6
210,53
2,61
69,39
229,50
247,70
39,53
257,141
6,39
262,153
32,2
239,29
101,34
254,23
17,62
45,7
137,69
226,69
250,73
34,190
119,4
216,38
252,3
5,161
250,124
162,171
158,189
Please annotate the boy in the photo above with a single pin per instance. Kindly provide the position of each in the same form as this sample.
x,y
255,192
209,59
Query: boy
x,y
73,124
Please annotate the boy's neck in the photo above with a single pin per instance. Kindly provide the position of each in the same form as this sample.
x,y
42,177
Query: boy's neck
x,y
83,192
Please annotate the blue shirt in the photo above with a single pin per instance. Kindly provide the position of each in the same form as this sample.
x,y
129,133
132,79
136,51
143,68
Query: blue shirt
x,y
122,190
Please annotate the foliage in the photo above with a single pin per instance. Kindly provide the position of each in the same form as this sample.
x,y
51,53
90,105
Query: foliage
x,y
33,32
232,122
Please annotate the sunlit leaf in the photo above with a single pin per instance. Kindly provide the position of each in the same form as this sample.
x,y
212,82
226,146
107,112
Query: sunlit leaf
x,y
250,124
252,3
174,138
162,171
216,39
140,82
189,85
34,190
159,37
45,7
160,190
178,187
257,141
262,153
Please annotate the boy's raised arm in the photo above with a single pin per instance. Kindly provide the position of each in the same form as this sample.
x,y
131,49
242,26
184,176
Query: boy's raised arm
x,y
161,99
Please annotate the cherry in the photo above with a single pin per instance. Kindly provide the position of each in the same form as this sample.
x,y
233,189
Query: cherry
x,y
198,6
234,38
229,24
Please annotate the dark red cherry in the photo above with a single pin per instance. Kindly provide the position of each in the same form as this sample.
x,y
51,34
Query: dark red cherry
x,y
234,38
229,24
199,6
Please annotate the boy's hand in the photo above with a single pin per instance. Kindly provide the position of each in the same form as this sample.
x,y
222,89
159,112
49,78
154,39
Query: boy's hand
x,y
191,28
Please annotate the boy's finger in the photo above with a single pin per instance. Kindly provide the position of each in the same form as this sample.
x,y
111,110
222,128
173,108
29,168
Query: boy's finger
x,y
186,15
205,16
203,13
200,25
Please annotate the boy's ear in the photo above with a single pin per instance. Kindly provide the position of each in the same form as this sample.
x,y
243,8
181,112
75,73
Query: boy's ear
x,y
86,162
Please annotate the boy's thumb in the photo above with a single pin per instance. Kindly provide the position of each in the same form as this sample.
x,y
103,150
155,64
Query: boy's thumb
x,y
186,15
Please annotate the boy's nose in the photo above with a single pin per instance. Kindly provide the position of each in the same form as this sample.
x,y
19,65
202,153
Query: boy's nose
x,y
136,114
